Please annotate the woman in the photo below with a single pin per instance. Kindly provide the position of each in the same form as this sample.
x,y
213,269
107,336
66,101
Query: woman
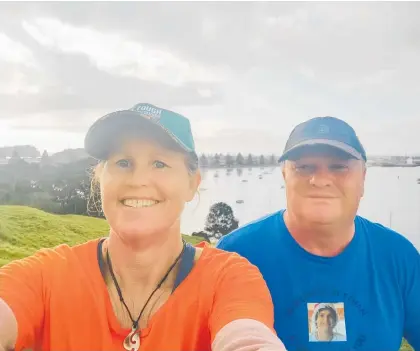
x,y
141,287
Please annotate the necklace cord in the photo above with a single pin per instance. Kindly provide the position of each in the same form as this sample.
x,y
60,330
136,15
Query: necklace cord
x,y
136,322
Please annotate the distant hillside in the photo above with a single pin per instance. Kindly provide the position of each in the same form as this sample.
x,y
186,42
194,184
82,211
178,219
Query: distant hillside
x,y
22,150
69,155
31,152
24,230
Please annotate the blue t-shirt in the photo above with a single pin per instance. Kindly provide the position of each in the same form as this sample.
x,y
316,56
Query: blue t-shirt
x,y
366,298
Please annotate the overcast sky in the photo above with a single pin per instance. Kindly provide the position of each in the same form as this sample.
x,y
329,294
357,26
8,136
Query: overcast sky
x,y
244,73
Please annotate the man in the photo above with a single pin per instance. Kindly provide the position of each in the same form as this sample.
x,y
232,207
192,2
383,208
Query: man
x,y
319,251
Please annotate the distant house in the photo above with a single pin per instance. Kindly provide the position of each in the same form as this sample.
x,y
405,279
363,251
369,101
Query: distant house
x,y
32,159
416,160
222,161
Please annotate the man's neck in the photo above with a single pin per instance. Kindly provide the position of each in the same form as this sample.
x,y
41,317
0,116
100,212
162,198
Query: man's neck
x,y
321,240
142,269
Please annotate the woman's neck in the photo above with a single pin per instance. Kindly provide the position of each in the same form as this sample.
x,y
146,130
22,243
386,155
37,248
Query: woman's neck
x,y
141,269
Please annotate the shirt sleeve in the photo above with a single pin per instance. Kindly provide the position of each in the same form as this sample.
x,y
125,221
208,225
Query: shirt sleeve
x,y
240,293
412,300
22,289
246,335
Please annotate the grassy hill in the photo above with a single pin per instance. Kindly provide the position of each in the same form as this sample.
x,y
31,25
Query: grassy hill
x,y
24,230
405,346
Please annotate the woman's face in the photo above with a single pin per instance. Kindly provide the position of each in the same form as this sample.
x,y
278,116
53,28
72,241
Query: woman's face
x,y
144,188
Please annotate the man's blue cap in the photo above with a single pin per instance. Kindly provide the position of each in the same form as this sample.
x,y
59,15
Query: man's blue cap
x,y
329,131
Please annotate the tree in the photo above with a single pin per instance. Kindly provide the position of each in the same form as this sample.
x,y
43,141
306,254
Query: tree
x,y
45,159
220,220
229,160
72,187
16,159
216,160
204,162
249,160
272,159
262,160
17,169
15,154
240,160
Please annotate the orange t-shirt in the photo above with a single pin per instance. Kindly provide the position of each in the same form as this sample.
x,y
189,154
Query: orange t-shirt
x,y
61,302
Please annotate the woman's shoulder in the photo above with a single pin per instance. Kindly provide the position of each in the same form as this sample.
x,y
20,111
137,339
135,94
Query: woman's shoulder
x,y
217,262
214,254
54,258
66,251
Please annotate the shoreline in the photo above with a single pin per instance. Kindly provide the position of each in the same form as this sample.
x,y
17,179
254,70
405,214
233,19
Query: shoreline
x,y
382,165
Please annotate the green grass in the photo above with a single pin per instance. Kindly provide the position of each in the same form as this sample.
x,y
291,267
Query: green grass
x,y
405,346
24,230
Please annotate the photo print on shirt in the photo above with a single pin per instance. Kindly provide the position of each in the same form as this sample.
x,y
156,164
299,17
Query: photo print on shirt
x,y
326,322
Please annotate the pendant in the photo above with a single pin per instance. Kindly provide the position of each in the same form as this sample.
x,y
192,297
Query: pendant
x,y
132,341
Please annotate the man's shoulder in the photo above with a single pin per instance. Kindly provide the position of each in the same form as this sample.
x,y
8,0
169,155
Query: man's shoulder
x,y
252,231
384,238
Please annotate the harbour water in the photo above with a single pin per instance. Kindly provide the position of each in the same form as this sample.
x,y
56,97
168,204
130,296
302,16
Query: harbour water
x,y
392,197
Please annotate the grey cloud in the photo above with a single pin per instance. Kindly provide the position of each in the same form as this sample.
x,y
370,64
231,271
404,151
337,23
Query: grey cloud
x,y
325,35
238,140
71,82
322,34
290,61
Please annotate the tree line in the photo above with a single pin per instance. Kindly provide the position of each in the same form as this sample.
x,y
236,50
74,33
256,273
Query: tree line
x,y
56,188
217,160
228,160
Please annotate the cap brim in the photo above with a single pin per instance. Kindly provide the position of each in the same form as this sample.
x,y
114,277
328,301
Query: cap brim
x,y
333,143
102,135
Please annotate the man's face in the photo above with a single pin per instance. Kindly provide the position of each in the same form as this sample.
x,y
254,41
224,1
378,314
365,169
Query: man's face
x,y
323,185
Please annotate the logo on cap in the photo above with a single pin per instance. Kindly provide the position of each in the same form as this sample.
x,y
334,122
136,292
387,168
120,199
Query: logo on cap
x,y
323,129
148,111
